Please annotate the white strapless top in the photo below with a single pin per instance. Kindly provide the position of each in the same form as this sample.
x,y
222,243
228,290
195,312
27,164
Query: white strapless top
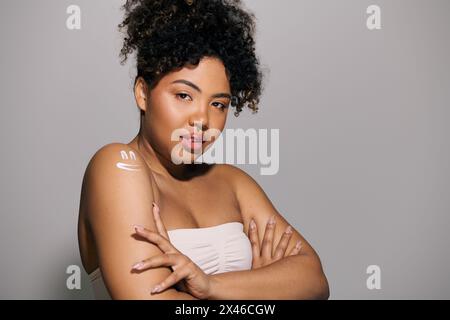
x,y
215,249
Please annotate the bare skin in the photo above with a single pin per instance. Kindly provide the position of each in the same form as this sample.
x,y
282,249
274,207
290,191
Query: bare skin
x,y
186,275
184,194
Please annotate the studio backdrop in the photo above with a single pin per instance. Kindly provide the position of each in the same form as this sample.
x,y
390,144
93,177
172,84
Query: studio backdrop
x,y
355,105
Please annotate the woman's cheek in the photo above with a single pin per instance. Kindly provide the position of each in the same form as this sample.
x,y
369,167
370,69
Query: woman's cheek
x,y
174,114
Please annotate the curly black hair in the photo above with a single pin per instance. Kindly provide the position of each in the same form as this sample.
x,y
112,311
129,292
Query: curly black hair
x,y
168,34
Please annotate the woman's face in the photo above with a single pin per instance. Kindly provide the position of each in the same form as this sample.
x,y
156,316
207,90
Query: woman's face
x,y
191,102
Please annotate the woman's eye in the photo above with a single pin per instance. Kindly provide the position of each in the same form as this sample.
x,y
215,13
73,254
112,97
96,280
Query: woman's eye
x,y
220,105
182,95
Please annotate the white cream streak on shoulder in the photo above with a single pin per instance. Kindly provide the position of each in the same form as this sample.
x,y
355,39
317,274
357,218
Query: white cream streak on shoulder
x,y
124,155
129,167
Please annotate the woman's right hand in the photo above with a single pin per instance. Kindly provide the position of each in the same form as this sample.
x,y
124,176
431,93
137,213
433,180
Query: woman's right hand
x,y
263,256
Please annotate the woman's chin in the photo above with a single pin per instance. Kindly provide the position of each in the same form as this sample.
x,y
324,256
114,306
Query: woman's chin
x,y
187,156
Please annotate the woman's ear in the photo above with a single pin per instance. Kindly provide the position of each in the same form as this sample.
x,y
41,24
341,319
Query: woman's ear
x,y
140,94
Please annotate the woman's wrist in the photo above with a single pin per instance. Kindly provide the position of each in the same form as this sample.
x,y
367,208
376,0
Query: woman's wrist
x,y
214,284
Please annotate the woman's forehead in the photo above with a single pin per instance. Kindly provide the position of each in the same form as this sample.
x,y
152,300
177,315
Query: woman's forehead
x,y
208,75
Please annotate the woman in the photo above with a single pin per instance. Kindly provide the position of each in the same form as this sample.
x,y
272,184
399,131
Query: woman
x,y
195,60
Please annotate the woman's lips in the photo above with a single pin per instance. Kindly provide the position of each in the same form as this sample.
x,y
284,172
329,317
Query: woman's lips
x,y
192,142
193,137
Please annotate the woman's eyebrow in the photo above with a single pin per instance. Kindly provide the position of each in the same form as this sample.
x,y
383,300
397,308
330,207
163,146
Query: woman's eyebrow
x,y
216,95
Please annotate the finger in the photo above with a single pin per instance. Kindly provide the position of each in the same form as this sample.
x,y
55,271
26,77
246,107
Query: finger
x,y
159,224
254,240
296,249
267,245
161,260
174,278
283,244
156,238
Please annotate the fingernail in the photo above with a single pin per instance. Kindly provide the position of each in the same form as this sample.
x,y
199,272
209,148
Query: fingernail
x,y
138,228
272,220
289,230
156,289
252,224
298,245
138,265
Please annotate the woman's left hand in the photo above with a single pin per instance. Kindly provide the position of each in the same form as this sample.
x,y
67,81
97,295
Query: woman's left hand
x,y
186,276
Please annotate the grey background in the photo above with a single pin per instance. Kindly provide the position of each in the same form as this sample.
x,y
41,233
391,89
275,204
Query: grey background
x,y
364,150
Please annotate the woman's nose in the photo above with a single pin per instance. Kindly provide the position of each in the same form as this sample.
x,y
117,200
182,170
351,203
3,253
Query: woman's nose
x,y
199,120
200,124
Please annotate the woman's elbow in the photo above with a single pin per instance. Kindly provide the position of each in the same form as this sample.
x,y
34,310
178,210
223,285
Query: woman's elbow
x,y
320,289
323,289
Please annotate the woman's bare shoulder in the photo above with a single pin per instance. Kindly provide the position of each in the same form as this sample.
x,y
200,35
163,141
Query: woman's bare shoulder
x,y
115,171
241,182
252,200
234,175
121,155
